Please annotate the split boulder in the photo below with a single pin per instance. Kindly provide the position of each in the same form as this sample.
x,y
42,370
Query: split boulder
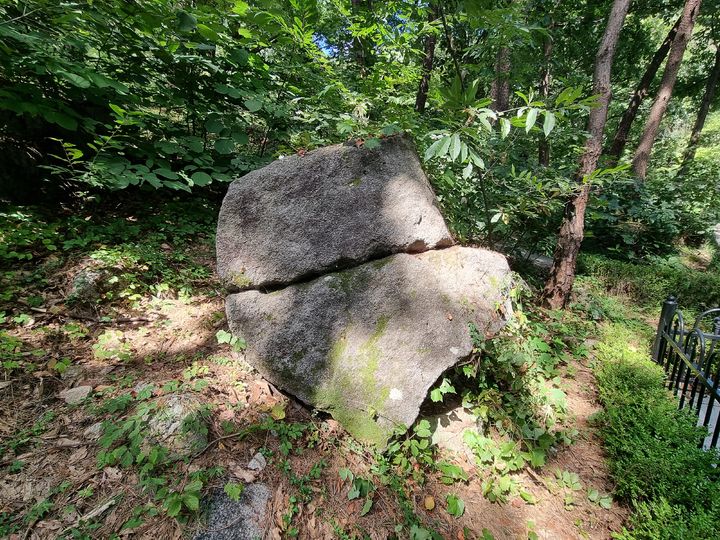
x,y
345,286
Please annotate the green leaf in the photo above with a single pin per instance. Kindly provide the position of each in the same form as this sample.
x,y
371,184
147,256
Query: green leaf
x,y
186,22
208,33
240,137
173,506
61,119
366,507
504,127
371,143
225,146
530,119
549,123
166,173
234,490
455,505
240,7
214,124
191,501
253,105
454,146
422,429
346,474
436,395
223,336
201,179
354,492
74,78
433,149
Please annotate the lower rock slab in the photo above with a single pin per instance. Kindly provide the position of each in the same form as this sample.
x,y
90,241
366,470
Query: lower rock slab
x,y
366,344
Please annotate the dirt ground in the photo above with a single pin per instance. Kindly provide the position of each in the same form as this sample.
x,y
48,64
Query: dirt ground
x,y
157,343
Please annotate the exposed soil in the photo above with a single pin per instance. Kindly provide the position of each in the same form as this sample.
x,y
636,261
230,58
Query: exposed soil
x,y
156,344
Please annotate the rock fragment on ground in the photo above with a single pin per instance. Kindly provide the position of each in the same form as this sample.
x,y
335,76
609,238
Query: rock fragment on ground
x,y
257,463
76,395
448,430
245,519
331,208
178,424
367,343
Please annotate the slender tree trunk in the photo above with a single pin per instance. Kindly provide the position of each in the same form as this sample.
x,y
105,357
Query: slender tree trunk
x,y
544,144
358,45
427,67
641,91
562,274
451,45
500,89
707,100
677,50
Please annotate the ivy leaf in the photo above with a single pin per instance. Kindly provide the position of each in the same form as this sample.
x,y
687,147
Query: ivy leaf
x,y
422,429
223,336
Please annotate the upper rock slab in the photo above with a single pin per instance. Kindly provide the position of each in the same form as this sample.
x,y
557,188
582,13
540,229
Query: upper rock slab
x,y
334,207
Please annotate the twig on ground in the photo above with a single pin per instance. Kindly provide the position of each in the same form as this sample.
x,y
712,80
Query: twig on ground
x,y
238,434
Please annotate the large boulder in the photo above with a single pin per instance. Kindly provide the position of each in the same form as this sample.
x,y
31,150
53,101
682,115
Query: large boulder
x,y
332,208
366,344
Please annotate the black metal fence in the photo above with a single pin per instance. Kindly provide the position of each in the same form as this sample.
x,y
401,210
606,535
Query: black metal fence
x,y
691,359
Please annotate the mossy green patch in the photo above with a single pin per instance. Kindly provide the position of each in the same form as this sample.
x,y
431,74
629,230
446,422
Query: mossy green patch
x,y
239,279
349,281
354,387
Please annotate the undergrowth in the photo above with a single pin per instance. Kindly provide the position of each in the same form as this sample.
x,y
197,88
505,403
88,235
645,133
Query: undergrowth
x,y
670,483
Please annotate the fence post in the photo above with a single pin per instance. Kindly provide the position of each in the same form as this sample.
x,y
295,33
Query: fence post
x,y
666,316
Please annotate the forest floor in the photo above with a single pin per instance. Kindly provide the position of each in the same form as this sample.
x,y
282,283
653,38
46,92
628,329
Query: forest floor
x,y
72,470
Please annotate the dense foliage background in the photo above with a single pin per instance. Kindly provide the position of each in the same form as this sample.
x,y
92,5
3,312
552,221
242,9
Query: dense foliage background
x,y
184,96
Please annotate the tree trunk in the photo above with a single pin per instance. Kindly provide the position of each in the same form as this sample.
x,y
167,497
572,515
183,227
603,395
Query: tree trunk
x,y
358,45
562,274
641,92
677,50
703,111
544,144
500,89
427,67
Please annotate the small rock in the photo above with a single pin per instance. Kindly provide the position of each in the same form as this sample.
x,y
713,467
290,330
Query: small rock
x,y
242,520
449,428
72,373
73,396
257,463
178,425
86,286
93,432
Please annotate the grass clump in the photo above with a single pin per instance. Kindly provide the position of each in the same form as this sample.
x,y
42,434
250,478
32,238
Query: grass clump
x,y
653,280
670,482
